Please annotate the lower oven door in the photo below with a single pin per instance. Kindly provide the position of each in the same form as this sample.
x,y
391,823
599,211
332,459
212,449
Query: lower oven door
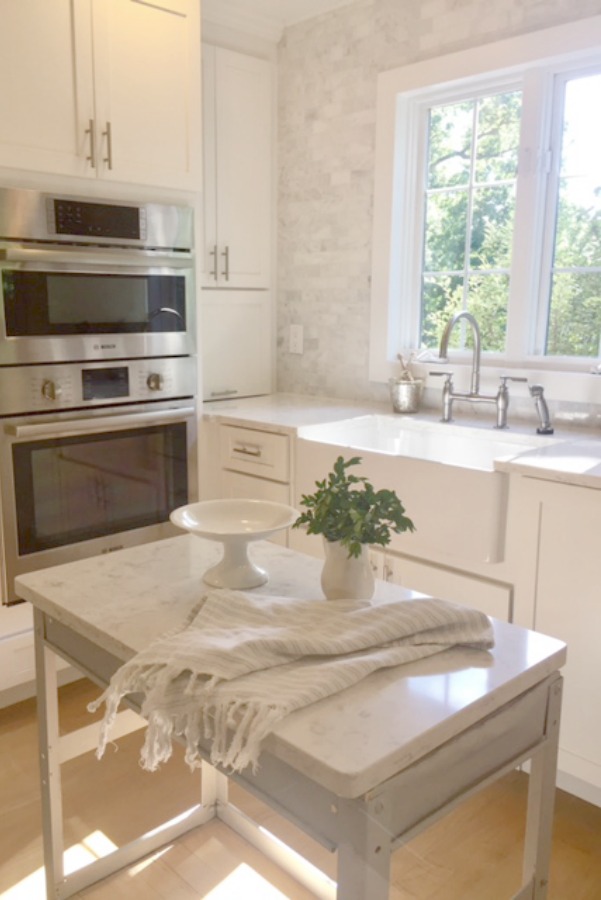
x,y
75,486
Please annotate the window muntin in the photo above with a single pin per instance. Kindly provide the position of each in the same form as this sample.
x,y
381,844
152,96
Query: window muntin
x,y
572,304
469,205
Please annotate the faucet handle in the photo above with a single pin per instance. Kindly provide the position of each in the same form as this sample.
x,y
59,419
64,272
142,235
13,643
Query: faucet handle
x,y
447,375
506,378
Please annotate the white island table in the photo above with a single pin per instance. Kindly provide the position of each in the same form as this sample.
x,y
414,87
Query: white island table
x,y
361,772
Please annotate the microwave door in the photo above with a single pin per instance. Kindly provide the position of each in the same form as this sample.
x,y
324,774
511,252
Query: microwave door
x,y
59,311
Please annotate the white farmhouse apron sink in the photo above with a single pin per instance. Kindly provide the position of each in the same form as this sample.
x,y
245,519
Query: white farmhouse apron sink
x,y
444,474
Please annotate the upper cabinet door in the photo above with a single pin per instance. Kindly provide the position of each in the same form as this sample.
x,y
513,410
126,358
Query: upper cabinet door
x,y
42,47
237,141
148,96
102,89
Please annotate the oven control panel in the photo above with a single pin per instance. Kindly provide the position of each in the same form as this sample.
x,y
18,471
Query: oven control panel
x,y
58,387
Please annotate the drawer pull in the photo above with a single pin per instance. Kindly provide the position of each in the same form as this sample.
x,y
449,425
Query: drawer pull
x,y
248,450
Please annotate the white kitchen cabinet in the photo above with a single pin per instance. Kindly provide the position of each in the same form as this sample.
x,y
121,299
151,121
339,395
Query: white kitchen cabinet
x,y
491,597
17,658
247,487
237,341
566,588
238,169
255,465
106,89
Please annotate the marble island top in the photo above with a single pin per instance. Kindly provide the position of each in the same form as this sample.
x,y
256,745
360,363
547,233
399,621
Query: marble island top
x,y
348,743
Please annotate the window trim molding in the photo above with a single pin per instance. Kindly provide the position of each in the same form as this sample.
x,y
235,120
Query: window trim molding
x,y
393,183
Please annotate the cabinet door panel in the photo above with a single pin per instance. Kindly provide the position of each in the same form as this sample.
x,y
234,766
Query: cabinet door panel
x,y
236,344
568,607
148,89
47,96
237,120
492,598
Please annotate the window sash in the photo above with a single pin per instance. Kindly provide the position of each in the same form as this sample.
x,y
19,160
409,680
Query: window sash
x,y
530,59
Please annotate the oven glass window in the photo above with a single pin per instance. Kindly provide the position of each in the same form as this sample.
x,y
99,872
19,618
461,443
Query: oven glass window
x,y
54,303
77,488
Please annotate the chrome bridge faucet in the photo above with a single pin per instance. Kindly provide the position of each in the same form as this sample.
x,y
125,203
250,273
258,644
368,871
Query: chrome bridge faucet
x,y
449,395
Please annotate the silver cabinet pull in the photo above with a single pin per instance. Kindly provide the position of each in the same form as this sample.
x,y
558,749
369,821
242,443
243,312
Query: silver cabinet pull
x,y
108,134
213,253
248,449
226,263
90,130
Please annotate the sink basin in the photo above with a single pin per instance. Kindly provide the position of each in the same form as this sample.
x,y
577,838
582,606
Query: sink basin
x,y
454,445
444,474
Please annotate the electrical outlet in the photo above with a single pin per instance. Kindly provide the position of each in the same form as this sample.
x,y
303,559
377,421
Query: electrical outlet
x,y
295,339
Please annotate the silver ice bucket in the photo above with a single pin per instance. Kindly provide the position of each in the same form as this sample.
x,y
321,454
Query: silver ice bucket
x,y
406,395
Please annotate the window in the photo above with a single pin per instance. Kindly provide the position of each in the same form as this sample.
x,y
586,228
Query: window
x,y
488,198
468,200
572,315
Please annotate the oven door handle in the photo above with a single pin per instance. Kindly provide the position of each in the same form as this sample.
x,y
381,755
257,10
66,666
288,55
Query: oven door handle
x,y
99,424
138,258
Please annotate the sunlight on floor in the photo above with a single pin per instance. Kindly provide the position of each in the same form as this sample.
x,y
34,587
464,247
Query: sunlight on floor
x,y
245,882
33,887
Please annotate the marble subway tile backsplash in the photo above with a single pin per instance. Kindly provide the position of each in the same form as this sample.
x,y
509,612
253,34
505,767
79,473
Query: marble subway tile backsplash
x,y
327,72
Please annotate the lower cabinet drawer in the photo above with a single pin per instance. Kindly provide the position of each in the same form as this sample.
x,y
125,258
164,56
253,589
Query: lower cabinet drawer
x,y
255,452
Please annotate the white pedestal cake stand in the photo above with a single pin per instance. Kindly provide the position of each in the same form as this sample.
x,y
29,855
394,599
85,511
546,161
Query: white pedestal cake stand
x,y
235,523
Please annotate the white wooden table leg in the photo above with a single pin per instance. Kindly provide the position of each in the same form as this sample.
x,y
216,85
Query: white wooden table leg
x,y
363,856
48,736
541,800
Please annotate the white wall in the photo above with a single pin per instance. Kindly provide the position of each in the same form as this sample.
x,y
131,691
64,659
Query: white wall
x,y
328,68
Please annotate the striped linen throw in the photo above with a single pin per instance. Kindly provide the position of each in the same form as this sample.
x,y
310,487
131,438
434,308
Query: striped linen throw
x,y
242,662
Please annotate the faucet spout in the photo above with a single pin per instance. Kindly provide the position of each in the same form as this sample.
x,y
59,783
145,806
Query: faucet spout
x,y
444,344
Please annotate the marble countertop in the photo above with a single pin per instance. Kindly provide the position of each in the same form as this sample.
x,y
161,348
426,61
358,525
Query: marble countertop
x,y
570,462
288,412
348,743
571,457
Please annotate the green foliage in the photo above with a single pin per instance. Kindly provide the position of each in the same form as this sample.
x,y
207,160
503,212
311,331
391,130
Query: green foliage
x,y
348,509
469,219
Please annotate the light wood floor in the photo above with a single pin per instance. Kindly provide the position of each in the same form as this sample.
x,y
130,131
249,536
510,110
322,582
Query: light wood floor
x,y
473,854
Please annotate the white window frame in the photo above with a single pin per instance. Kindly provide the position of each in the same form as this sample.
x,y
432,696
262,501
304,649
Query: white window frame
x,y
531,59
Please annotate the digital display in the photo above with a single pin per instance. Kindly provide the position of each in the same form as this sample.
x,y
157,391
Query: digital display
x,y
97,219
104,384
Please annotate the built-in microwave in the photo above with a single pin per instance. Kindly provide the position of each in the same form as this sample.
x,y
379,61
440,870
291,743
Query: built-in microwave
x,y
85,280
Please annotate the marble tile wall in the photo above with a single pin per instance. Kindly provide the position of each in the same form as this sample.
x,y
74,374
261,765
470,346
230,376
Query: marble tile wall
x,y
327,73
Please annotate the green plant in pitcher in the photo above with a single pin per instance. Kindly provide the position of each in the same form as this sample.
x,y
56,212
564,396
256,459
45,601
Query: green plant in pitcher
x,y
347,508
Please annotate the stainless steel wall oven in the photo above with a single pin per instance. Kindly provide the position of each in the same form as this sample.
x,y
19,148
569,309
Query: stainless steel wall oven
x,y
98,418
